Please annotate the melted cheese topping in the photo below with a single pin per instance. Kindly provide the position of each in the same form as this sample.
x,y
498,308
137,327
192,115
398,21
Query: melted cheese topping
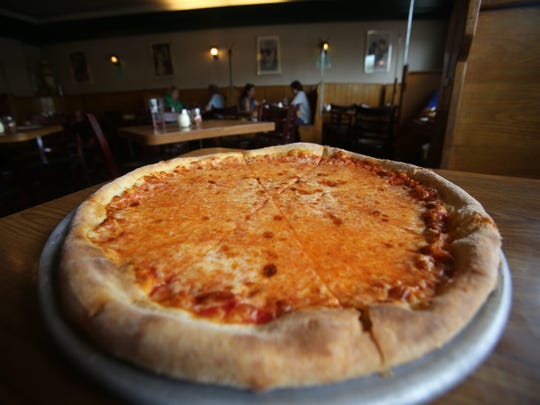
x,y
247,243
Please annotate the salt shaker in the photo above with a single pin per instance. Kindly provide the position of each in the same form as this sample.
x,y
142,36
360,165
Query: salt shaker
x,y
184,121
197,118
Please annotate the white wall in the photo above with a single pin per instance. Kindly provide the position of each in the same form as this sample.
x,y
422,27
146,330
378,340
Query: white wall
x,y
194,68
16,62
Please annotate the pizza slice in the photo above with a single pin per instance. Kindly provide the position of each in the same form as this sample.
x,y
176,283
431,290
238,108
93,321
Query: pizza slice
x,y
276,171
174,223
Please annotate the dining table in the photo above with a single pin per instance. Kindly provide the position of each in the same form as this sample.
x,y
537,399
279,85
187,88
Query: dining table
x,y
147,135
35,370
30,133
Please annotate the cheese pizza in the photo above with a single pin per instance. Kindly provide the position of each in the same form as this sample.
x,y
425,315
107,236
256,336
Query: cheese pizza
x,y
279,267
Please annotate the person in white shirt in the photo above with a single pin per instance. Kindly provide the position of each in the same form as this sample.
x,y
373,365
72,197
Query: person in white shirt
x,y
216,99
300,98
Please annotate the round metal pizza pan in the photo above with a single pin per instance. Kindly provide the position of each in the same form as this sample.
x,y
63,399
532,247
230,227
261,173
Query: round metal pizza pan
x,y
415,382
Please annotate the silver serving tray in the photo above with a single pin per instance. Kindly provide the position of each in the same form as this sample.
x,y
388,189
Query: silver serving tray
x,y
415,382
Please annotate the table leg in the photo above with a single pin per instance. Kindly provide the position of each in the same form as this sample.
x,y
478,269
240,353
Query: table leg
x,y
41,149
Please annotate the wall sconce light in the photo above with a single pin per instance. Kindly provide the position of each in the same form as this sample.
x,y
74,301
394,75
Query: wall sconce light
x,y
324,46
214,52
115,60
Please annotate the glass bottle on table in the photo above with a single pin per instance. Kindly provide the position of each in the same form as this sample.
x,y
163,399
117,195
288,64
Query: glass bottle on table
x,y
156,111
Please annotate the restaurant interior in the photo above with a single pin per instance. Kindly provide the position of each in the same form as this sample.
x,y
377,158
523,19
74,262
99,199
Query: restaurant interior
x,y
408,99
444,84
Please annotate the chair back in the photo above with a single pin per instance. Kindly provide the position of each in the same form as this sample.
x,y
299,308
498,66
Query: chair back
x,y
341,117
336,130
375,122
312,97
374,129
285,120
103,145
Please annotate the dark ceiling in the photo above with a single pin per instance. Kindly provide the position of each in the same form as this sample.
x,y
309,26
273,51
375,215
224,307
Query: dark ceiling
x,y
40,22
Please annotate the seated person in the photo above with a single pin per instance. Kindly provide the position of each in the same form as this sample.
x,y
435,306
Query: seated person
x,y
216,99
247,100
171,101
300,99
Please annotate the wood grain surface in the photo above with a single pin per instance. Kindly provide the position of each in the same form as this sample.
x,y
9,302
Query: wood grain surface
x,y
496,125
145,134
34,371
30,134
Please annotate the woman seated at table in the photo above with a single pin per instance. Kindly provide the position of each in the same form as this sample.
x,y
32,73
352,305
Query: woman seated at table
x,y
247,100
216,99
171,101
300,99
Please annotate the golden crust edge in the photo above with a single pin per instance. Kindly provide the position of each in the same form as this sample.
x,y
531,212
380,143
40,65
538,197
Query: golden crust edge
x,y
100,310
386,319
476,250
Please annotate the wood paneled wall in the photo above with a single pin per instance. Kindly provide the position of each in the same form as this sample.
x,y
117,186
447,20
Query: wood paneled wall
x,y
421,84
420,87
131,101
353,93
497,128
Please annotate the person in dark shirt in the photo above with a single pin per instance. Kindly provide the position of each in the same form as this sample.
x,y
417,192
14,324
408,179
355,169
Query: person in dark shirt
x,y
247,100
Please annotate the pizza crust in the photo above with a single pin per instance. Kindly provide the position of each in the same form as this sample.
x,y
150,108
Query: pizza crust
x,y
301,348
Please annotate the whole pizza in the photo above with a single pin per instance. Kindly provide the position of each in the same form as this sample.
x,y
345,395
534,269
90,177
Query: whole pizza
x,y
279,267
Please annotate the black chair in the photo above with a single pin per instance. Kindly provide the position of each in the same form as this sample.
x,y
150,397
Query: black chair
x,y
337,130
373,131
312,96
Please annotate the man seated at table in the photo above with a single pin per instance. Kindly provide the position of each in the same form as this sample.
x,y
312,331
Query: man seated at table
x,y
300,99
216,99
171,101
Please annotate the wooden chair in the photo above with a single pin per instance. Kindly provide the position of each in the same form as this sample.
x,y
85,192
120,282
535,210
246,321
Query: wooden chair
x,y
110,163
373,131
286,125
337,131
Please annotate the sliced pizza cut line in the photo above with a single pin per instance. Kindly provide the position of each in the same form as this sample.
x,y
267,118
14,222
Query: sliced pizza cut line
x,y
254,275
361,239
364,322
288,280
275,172
192,221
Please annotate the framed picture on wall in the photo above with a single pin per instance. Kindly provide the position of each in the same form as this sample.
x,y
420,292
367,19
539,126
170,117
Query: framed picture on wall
x,y
378,51
268,55
161,55
79,67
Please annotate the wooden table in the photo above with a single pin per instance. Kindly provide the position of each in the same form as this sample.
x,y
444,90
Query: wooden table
x,y
30,134
147,136
34,371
